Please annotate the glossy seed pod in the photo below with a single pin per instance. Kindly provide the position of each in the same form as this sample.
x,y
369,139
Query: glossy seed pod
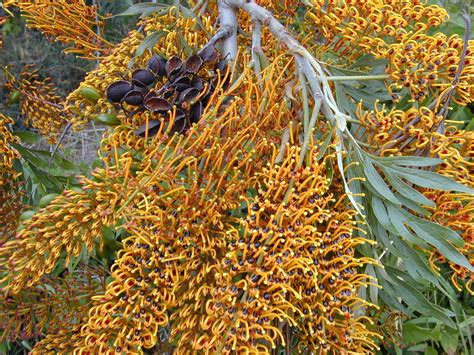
x,y
180,123
173,66
117,90
134,97
209,54
196,112
157,65
188,95
143,77
156,104
193,64
151,128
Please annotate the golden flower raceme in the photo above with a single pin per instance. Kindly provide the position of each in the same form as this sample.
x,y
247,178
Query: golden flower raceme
x,y
8,153
73,23
356,27
291,269
40,104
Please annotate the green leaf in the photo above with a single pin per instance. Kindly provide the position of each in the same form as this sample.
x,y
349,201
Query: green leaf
x,y
144,9
438,230
398,221
450,340
325,145
430,180
374,178
380,212
437,239
406,161
431,351
342,100
150,41
403,286
27,136
415,207
407,191
414,334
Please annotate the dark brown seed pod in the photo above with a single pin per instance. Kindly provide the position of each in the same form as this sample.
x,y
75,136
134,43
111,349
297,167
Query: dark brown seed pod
x,y
157,65
143,89
149,95
152,129
173,66
143,77
181,83
197,83
193,64
117,90
169,92
156,104
180,123
209,54
134,97
188,95
222,66
196,112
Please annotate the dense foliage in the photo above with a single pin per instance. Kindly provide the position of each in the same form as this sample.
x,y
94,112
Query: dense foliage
x,y
273,177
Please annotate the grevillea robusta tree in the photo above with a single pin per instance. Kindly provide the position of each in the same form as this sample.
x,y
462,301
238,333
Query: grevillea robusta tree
x,y
278,177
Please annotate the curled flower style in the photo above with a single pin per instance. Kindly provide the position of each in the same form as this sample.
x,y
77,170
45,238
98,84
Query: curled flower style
x,y
291,269
429,65
64,341
40,104
354,28
73,23
72,222
397,131
455,211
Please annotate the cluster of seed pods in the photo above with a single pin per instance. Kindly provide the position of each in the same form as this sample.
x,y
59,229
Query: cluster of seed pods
x,y
170,84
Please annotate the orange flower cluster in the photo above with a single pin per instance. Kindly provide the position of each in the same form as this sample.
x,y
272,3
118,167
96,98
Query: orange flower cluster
x,y
7,153
69,225
231,242
357,27
63,341
397,31
394,131
180,198
73,23
428,65
290,269
40,104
